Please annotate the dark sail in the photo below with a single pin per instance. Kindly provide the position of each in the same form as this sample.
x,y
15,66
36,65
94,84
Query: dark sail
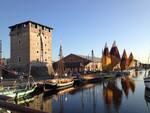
x,y
124,61
115,56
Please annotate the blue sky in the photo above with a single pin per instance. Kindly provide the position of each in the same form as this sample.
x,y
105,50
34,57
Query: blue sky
x,y
83,25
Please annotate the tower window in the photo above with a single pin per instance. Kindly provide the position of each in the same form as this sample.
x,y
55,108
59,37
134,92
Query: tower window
x,y
19,41
37,51
45,44
19,59
35,25
37,60
45,52
45,59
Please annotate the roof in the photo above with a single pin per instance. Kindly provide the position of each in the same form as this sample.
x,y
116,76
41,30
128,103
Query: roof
x,y
30,22
96,59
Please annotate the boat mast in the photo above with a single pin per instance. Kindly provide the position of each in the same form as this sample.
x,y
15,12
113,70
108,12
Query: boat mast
x,y
93,64
61,63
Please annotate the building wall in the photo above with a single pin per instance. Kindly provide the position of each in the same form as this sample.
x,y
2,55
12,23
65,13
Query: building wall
x,y
35,45
94,66
26,46
19,45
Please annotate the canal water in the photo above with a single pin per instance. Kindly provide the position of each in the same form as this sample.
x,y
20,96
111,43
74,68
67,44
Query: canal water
x,y
120,95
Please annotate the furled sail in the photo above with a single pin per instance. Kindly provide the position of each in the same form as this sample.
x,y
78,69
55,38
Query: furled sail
x,y
106,60
115,56
124,61
131,60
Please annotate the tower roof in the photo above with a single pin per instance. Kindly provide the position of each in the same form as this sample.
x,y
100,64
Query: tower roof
x,y
26,22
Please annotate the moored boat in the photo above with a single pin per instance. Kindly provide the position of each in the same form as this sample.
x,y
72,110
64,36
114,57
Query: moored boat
x,y
147,80
62,81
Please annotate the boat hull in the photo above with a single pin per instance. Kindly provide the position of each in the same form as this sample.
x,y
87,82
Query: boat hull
x,y
58,85
64,85
20,93
147,82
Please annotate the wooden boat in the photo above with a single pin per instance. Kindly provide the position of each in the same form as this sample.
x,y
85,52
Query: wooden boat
x,y
17,93
62,81
20,90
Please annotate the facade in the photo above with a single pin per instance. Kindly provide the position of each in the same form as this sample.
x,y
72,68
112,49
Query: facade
x,y
31,44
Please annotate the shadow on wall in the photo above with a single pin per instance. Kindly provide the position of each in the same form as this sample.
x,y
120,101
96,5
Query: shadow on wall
x,y
39,70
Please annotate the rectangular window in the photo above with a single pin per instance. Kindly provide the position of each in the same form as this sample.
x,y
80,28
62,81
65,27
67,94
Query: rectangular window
x,y
36,26
19,41
42,27
19,59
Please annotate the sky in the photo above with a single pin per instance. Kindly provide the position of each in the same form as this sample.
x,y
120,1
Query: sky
x,y
83,25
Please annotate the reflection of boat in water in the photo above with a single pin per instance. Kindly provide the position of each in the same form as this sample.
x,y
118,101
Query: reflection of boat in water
x,y
62,81
112,95
147,97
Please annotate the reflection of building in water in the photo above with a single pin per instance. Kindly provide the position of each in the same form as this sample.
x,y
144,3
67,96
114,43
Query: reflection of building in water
x,y
127,83
42,104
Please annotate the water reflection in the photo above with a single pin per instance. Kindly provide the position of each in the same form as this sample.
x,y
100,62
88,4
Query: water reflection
x,y
127,84
109,96
147,98
112,95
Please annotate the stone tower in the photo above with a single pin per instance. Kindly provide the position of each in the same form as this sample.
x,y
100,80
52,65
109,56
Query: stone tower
x,y
31,44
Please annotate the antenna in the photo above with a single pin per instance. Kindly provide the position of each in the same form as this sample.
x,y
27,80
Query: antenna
x,y
0,49
0,57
